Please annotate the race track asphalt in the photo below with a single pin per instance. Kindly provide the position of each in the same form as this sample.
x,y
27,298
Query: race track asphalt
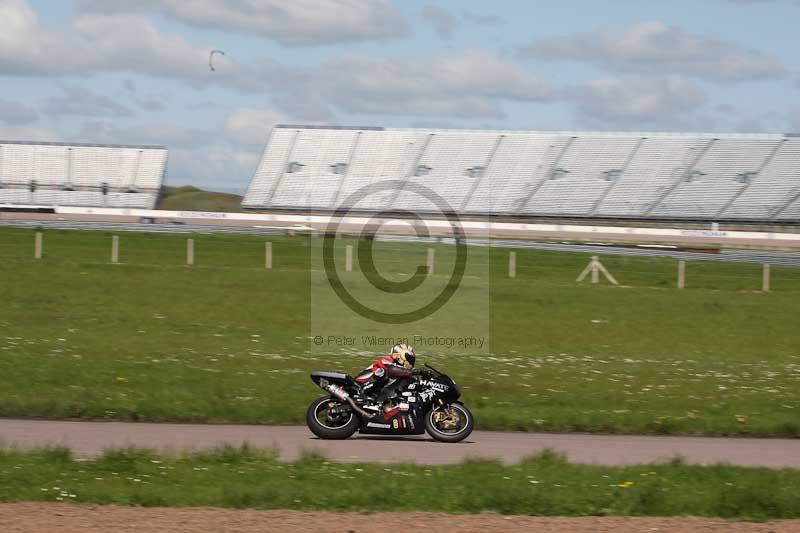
x,y
88,439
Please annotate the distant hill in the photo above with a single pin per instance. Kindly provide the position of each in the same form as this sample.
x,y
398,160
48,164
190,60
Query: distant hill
x,y
190,198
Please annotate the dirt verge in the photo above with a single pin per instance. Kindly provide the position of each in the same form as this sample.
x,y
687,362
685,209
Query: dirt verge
x,y
66,518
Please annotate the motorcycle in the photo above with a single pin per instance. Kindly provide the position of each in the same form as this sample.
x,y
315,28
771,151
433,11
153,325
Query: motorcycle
x,y
427,404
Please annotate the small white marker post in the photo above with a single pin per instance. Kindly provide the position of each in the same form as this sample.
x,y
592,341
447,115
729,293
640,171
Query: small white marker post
x,y
595,268
765,279
115,249
681,274
431,252
37,248
190,252
512,264
348,258
268,255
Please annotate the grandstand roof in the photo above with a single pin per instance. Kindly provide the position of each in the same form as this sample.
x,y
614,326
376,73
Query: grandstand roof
x,y
329,127
577,133
87,145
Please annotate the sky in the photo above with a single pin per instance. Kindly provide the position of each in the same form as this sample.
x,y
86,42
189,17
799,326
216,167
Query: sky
x,y
137,72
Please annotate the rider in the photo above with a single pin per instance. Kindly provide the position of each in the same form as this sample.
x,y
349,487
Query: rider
x,y
396,367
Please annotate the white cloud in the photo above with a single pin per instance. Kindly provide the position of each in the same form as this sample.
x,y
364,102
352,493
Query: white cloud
x,y
151,103
93,43
442,20
472,83
15,132
166,134
794,119
251,126
481,19
290,22
221,157
80,101
656,48
16,113
216,167
639,101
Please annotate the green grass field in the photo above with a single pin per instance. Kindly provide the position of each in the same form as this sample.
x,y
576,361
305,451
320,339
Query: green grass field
x,y
188,198
541,485
227,340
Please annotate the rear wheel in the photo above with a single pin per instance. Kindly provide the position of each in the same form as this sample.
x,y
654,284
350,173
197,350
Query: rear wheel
x,y
449,423
328,418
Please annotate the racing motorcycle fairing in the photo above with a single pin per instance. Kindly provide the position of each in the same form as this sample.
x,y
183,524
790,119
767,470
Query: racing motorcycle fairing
x,y
400,424
404,419
426,402
339,378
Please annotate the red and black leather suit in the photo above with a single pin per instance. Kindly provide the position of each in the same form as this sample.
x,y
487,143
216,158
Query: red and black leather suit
x,y
385,370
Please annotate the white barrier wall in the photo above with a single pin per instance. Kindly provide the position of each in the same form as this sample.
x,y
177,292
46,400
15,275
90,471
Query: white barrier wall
x,y
444,225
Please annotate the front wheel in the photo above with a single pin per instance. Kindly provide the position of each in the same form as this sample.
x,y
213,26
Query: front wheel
x,y
328,418
449,423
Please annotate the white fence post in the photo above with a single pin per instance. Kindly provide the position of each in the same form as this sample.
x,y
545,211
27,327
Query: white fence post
x,y
190,252
681,274
348,258
268,255
765,279
431,252
115,249
512,264
37,248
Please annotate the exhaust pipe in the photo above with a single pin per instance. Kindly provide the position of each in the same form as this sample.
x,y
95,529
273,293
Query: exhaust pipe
x,y
357,409
342,394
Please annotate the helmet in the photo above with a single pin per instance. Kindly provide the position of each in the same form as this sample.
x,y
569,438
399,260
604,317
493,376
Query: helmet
x,y
404,355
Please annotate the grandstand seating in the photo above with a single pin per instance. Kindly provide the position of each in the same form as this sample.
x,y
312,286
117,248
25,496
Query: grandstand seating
x,y
689,176
53,174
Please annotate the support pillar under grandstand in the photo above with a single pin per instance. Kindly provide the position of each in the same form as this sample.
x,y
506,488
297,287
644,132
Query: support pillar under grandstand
x,y
538,185
611,184
272,190
681,178
334,204
477,182
745,186
413,170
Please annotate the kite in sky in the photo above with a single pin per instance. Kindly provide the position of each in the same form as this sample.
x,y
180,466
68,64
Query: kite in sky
x,y
211,58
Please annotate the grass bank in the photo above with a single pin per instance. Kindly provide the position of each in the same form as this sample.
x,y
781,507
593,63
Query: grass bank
x,y
541,485
228,340
188,198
